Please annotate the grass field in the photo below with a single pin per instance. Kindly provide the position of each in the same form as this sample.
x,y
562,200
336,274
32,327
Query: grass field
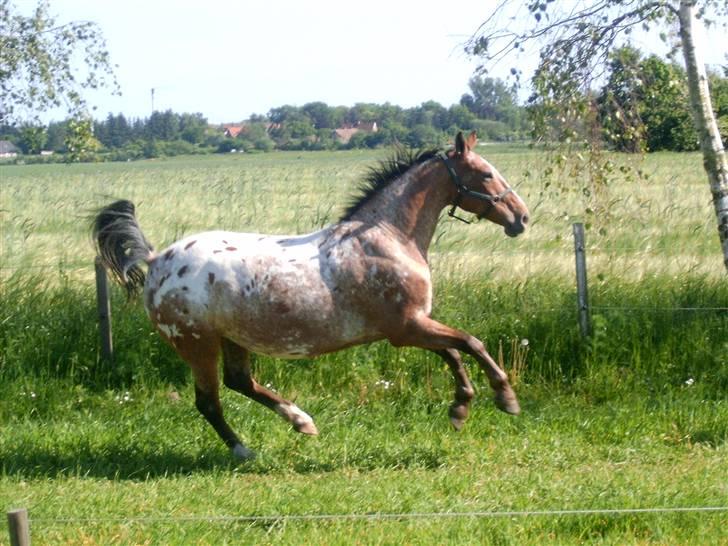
x,y
636,417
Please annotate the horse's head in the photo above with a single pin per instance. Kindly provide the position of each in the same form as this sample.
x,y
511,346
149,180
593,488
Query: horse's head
x,y
482,190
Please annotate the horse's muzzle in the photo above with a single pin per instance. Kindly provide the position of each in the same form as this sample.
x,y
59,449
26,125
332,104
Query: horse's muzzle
x,y
518,226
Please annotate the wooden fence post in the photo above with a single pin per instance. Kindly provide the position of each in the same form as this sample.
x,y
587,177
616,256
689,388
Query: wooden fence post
x,y
582,296
19,527
104,310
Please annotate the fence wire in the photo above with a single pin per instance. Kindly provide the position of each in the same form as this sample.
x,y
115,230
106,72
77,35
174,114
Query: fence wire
x,y
379,516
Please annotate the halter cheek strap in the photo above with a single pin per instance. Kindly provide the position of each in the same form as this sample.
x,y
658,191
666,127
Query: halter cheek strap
x,y
463,191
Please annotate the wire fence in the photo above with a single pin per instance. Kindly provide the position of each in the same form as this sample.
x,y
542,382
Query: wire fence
x,y
19,523
583,306
384,515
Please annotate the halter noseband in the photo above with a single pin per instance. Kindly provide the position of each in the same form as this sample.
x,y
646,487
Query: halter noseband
x,y
463,191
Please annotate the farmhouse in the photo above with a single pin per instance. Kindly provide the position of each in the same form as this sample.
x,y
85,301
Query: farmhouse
x,y
344,134
232,130
7,149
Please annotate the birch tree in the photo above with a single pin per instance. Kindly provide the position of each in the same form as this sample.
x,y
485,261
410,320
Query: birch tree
x,y
575,40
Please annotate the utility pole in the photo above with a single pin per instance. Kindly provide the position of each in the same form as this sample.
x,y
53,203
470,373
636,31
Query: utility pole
x,y
152,100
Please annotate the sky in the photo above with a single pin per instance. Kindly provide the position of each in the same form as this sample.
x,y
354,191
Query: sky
x,y
230,59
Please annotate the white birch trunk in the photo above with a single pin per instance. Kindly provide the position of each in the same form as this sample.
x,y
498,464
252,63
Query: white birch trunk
x,y
714,156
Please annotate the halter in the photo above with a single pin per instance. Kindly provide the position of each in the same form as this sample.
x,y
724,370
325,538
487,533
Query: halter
x,y
467,192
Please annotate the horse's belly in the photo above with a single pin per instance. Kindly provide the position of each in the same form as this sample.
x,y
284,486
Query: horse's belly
x,y
302,321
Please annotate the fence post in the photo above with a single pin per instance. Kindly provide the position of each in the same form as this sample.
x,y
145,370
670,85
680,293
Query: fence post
x,y
104,311
19,527
582,297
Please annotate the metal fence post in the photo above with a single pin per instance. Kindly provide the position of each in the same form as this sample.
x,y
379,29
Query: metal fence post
x,y
104,311
582,297
19,527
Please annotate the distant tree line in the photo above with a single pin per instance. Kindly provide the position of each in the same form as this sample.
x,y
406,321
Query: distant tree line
x,y
641,107
491,108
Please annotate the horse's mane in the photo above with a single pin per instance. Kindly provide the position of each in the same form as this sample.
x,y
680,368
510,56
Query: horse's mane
x,y
384,173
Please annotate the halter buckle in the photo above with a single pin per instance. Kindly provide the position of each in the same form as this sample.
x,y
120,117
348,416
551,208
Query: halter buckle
x,y
451,214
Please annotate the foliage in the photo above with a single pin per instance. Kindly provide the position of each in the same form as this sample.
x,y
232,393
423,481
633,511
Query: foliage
x,y
37,59
579,47
492,99
644,104
32,139
80,143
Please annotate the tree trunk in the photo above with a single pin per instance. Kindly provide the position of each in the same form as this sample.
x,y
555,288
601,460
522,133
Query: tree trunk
x,y
714,156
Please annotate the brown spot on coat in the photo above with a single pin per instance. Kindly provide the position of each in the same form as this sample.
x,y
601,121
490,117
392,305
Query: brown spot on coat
x,y
168,255
182,271
230,248
281,307
188,245
210,278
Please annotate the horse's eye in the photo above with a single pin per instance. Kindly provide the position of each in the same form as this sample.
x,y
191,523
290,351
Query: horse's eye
x,y
487,176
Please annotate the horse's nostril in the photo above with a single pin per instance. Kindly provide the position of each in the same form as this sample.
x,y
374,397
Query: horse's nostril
x,y
524,219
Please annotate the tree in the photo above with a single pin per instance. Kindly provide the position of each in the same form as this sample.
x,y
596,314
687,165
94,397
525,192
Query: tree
x,y
32,139
645,104
490,98
37,68
192,127
576,39
56,136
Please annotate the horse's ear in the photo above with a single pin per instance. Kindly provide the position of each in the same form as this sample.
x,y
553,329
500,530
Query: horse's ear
x,y
472,141
460,145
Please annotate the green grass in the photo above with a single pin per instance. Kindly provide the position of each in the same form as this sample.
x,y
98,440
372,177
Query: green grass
x,y
116,456
634,417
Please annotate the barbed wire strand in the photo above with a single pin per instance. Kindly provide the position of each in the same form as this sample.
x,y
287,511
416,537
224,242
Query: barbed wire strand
x,y
384,515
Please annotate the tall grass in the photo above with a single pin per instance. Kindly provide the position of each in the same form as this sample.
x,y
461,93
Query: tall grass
x,y
52,333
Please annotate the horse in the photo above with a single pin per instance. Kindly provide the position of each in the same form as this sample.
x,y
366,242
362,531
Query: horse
x,y
362,279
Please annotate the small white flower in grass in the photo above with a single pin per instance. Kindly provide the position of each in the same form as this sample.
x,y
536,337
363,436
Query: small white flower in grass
x,y
689,381
524,342
383,383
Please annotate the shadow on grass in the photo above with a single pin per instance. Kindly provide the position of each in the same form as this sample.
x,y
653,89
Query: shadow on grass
x,y
130,463
121,464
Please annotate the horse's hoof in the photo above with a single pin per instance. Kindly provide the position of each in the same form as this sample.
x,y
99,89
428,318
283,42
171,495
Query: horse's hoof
x,y
306,428
505,400
242,453
458,414
456,423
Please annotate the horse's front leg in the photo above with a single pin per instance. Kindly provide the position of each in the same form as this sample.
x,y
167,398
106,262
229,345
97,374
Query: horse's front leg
x,y
430,334
463,389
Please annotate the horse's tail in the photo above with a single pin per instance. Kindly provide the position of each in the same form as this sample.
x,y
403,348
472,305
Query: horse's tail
x,y
121,244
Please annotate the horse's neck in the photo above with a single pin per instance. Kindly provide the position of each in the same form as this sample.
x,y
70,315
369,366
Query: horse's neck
x,y
410,206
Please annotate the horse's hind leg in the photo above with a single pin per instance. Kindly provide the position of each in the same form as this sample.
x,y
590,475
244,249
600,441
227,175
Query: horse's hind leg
x,y
236,375
463,389
203,361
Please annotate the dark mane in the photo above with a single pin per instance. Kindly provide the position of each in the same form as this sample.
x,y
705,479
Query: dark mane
x,y
384,173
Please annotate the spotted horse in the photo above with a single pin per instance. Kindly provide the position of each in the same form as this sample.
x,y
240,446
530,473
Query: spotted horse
x,y
362,279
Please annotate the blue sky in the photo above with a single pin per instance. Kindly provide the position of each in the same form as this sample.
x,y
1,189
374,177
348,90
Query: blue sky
x,y
230,59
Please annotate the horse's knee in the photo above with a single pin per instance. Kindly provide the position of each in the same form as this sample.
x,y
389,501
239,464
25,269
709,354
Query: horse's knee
x,y
207,404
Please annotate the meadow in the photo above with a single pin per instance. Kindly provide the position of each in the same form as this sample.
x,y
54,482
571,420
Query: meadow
x,y
634,417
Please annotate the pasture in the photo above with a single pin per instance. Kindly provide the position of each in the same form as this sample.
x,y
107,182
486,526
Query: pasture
x,y
635,417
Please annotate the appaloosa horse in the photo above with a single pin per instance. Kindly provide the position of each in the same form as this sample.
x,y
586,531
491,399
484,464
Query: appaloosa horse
x,y
362,279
